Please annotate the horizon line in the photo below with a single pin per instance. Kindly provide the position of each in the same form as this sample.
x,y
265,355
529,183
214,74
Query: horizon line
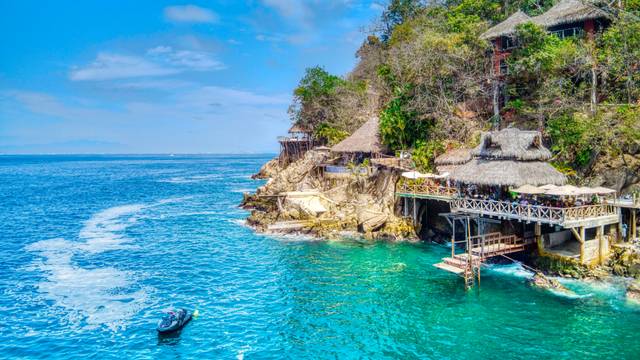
x,y
147,154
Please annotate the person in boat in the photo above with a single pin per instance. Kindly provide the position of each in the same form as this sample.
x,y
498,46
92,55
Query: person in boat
x,y
174,321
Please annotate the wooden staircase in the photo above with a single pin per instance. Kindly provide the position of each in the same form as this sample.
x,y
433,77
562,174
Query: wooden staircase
x,y
478,249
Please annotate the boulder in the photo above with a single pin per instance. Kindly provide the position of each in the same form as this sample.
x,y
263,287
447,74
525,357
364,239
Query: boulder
x,y
633,292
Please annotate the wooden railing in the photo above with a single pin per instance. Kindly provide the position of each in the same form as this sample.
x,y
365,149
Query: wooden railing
x,y
493,244
534,213
426,188
588,211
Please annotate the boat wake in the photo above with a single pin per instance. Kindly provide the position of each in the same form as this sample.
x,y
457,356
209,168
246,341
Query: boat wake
x,y
92,297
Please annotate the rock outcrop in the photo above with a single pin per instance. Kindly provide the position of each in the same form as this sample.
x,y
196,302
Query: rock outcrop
x,y
541,281
625,260
269,169
355,203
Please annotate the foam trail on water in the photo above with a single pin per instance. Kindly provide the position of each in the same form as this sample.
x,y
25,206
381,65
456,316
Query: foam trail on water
x,y
95,296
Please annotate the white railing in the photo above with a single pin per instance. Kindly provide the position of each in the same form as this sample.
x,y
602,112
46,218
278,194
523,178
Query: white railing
x,y
534,213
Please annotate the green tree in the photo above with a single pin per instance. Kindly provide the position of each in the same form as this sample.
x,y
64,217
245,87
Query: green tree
x,y
397,13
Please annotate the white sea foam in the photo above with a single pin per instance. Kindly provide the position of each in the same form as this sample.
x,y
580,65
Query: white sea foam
x,y
96,296
243,190
191,179
292,237
241,222
514,269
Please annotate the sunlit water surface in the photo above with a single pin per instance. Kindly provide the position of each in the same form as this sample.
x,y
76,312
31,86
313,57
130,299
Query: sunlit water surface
x,y
94,248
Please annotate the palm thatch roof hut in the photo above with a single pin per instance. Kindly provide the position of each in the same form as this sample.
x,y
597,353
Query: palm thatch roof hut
x,y
451,159
569,11
507,27
365,140
509,157
512,144
297,128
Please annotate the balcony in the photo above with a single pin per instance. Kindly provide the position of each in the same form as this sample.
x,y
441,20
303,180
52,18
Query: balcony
x,y
425,190
586,215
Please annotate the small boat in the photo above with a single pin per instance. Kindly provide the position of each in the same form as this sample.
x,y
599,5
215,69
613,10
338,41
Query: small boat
x,y
174,321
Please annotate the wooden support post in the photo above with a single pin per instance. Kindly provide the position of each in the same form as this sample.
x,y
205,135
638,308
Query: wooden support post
x,y
453,239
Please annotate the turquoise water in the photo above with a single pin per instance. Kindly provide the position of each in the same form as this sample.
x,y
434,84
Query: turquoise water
x,y
94,248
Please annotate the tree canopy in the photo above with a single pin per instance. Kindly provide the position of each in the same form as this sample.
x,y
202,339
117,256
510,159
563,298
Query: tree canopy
x,y
428,76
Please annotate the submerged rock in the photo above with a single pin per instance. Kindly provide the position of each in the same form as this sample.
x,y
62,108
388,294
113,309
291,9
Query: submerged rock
x,y
633,292
543,282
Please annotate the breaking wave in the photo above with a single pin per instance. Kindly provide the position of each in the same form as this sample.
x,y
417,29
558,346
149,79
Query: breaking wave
x,y
190,179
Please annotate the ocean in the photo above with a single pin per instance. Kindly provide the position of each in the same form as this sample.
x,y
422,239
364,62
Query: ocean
x,y
95,248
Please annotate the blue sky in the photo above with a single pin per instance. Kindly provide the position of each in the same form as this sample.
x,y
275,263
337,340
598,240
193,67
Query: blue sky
x,y
150,76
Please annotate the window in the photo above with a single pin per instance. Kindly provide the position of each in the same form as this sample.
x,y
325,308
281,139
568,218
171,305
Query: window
x,y
509,43
504,68
568,32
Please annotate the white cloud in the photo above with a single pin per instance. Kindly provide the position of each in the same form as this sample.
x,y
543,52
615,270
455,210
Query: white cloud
x,y
270,38
191,119
188,59
227,97
308,13
157,61
152,84
377,6
109,66
190,14
289,8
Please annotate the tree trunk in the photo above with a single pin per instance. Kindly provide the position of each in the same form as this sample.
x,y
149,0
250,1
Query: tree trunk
x,y
496,103
594,88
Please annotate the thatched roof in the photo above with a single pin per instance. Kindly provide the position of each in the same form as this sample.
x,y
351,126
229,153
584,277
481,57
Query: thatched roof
x,y
506,27
569,11
297,128
454,157
512,144
446,169
364,140
507,173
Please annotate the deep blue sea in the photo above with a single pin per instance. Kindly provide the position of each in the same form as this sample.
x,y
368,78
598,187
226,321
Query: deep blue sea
x,y
95,248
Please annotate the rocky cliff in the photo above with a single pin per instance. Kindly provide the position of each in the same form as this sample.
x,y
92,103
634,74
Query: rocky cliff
x,y
299,198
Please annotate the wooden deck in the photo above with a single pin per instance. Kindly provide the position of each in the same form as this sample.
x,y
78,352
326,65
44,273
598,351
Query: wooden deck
x,y
426,190
481,248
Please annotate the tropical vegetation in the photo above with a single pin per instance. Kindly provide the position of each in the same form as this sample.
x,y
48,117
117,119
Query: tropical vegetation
x,y
425,72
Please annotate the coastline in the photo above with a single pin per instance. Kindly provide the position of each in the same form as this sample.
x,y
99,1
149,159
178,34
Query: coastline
x,y
271,213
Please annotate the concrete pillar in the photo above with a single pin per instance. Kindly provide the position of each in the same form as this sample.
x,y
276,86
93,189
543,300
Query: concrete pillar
x,y
633,226
619,238
600,237
405,203
537,231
